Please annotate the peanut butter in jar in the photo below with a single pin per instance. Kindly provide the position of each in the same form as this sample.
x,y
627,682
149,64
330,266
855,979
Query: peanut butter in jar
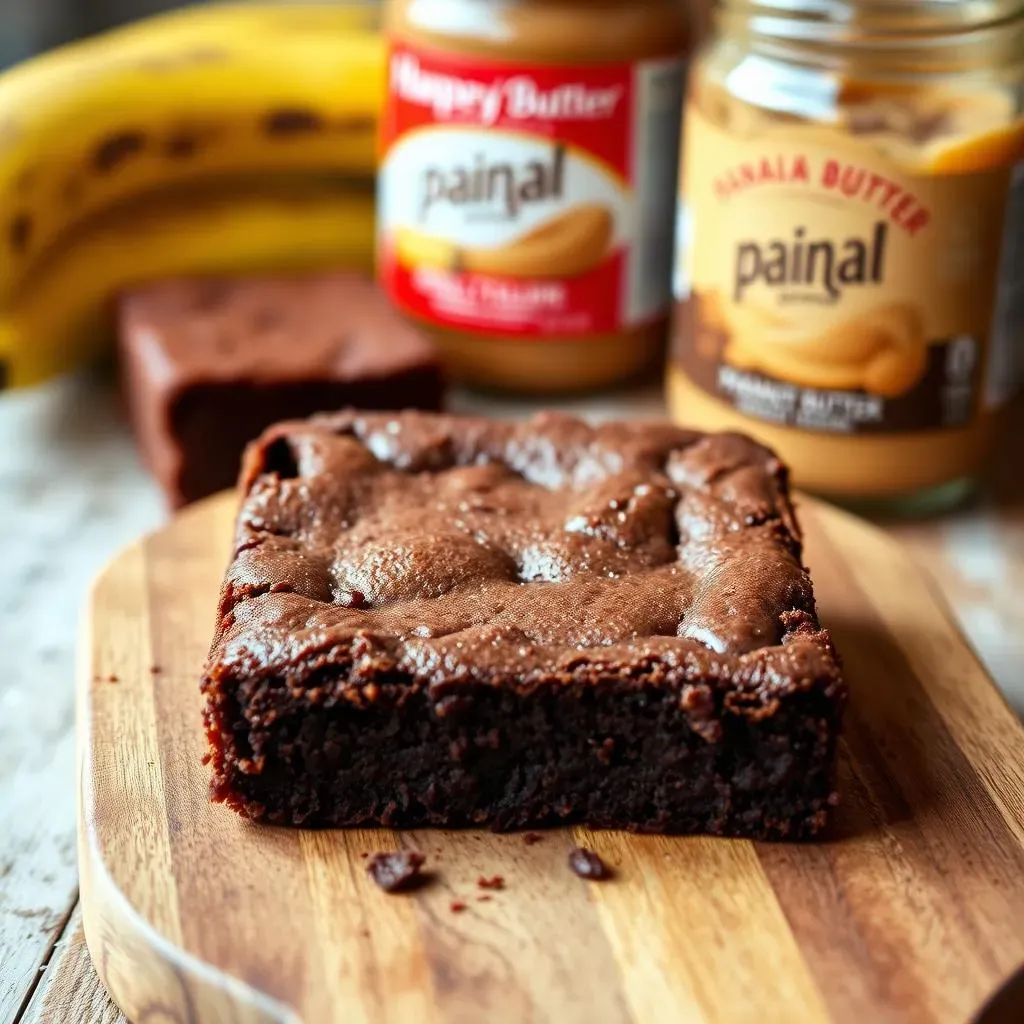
x,y
849,273
529,160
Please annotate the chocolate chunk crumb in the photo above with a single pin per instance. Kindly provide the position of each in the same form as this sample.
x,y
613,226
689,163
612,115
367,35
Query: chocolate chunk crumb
x,y
497,882
117,148
457,906
113,679
397,872
364,855
155,669
589,865
533,837
483,899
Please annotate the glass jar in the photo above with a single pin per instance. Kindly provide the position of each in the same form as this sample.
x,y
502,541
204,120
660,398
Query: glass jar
x,y
850,240
529,156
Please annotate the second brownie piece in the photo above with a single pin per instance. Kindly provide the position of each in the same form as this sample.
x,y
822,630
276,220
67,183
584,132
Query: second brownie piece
x,y
444,621
209,364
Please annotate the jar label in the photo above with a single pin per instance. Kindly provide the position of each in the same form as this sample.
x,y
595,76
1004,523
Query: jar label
x,y
821,285
528,200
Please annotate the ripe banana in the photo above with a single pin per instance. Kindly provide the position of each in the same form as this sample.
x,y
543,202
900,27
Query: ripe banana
x,y
181,99
569,244
61,316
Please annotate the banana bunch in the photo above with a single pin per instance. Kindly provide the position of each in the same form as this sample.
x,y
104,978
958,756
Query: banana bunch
x,y
222,139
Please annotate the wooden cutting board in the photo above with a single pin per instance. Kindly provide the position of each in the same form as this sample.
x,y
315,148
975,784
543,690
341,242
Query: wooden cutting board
x,y
913,911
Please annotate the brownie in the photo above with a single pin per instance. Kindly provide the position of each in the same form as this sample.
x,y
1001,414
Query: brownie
x,y
209,364
431,620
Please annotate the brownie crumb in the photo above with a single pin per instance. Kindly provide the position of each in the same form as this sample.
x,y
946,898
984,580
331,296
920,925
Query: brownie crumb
x,y
155,669
397,872
497,882
533,837
113,679
457,906
588,865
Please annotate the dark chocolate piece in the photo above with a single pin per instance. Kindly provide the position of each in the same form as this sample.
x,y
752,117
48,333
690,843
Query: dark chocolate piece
x,y
531,591
397,872
588,865
209,364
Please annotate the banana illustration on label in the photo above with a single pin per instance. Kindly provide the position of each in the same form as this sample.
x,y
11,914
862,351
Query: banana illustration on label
x,y
566,245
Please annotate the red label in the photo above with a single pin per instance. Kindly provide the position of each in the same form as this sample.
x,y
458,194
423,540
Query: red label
x,y
528,200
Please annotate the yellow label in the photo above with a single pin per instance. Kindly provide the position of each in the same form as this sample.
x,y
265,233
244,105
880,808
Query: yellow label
x,y
822,286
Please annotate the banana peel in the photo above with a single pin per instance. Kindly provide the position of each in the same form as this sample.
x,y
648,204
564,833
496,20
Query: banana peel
x,y
160,139
63,316
158,107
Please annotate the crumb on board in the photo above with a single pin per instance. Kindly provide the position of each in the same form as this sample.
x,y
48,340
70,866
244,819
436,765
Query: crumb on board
x,y
587,864
398,871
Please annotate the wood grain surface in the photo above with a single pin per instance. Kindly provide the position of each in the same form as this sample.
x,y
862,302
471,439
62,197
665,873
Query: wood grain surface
x,y
912,911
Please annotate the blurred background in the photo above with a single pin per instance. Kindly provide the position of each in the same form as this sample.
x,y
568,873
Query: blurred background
x,y
28,26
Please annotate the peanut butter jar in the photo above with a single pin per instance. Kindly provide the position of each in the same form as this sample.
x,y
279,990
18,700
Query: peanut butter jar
x,y
528,169
849,274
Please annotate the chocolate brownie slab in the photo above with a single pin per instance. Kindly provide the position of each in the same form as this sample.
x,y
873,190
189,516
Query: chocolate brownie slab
x,y
431,620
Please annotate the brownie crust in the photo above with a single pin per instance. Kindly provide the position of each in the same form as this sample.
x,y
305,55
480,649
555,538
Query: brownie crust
x,y
431,620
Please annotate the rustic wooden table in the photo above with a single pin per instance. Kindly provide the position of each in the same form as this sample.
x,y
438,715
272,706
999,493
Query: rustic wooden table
x,y
72,493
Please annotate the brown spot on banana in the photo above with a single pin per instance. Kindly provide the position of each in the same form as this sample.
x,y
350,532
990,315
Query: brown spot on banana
x,y
19,233
186,140
115,149
182,145
291,121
